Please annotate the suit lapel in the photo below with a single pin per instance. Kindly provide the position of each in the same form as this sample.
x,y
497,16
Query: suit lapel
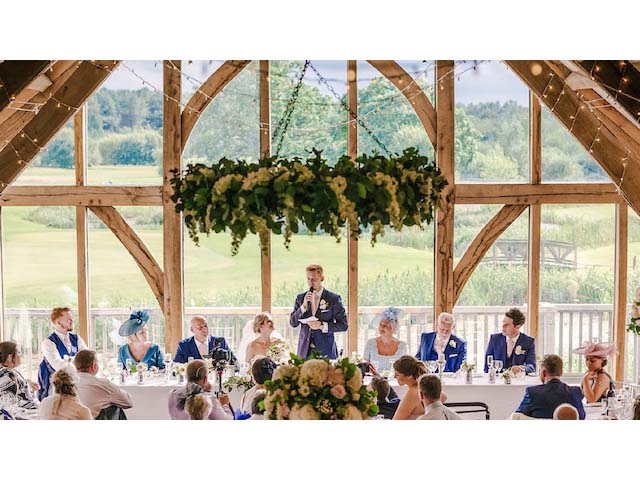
x,y
322,297
430,345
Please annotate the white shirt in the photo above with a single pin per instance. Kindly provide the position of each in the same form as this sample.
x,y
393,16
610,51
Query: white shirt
x,y
203,347
98,393
50,351
515,340
437,411
303,308
440,343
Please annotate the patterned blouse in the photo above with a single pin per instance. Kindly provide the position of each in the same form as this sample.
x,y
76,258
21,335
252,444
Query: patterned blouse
x,y
12,382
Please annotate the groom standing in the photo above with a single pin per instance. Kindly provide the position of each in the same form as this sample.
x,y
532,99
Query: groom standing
x,y
327,309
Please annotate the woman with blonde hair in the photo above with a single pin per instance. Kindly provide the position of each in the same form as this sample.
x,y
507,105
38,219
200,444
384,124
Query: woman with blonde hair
x,y
64,404
198,407
384,349
262,327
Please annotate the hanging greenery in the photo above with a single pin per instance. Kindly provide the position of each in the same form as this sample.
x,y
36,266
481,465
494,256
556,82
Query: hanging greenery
x,y
280,194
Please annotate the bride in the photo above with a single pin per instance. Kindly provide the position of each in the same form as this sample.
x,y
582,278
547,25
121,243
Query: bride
x,y
263,333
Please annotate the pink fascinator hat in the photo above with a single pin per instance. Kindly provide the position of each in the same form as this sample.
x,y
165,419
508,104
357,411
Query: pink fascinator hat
x,y
592,349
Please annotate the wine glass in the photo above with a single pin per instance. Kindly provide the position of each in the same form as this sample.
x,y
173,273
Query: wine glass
x,y
489,361
498,364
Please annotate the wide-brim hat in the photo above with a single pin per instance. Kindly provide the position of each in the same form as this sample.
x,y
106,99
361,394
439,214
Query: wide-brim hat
x,y
134,324
591,349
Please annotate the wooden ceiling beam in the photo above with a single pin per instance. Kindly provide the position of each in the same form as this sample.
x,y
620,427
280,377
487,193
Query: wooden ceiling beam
x,y
206,93
80,196
16,75
585,125
527,194
17,154
412,92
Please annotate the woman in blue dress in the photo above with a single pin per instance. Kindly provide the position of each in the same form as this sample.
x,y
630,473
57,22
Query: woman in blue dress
x,y
138,349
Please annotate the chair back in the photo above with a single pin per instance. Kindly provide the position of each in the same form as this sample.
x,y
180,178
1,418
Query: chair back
x,y
112,412
467,408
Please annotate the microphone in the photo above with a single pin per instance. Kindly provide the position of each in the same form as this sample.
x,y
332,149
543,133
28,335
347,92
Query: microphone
x,y
308,302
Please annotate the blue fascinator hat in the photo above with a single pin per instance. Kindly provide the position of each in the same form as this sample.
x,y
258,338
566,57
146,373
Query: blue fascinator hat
x,y
134,324
392,314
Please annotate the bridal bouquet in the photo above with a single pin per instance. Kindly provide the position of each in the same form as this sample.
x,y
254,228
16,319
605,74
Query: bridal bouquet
x,y
315,389
239,382
279,352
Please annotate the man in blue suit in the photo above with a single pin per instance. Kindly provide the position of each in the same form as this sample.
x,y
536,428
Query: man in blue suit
x,y
320,314
201,343
516,350
443,341
540,401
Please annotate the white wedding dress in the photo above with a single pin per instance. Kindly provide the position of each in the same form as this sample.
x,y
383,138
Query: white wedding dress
x,y
248,336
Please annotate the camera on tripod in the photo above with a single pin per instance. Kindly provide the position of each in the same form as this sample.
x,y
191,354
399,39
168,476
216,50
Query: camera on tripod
x,y
220,357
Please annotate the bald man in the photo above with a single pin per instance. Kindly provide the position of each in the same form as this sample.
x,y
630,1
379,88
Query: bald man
x,y
566,411
201,343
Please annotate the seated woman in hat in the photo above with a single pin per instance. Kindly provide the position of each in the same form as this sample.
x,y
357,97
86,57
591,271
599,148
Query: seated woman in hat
x,y
138,349
385,349
596,383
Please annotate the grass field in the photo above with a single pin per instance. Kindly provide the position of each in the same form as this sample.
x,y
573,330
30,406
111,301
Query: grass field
x,y
40,261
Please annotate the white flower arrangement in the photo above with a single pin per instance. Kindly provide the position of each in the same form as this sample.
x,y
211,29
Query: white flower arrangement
x,y
452,343
519,350
279,352
634,321
315,389
323,304
467,367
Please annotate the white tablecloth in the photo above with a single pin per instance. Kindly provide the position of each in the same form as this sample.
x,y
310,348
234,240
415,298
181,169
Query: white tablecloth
x,y
150,400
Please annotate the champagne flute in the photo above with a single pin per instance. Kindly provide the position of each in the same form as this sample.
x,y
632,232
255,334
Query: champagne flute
x,y
489,361
498,364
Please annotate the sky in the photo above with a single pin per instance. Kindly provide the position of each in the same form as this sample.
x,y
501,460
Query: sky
x,y
491,81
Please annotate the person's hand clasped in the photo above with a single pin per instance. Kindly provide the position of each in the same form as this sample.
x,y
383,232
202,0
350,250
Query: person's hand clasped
x,y
224,399
315,324
34,386
516,369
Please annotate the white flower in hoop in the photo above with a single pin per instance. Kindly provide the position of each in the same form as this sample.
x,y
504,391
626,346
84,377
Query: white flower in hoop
x,y
452,343
520,351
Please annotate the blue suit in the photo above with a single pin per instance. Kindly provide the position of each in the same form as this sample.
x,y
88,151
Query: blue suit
x,y
524,356
334,316
540,401
454,355
46,370
188,348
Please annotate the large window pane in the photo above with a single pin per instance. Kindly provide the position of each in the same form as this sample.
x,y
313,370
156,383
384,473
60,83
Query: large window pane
x,y
125,126
564,159
492,124
498,283
576,279
55,165
39,252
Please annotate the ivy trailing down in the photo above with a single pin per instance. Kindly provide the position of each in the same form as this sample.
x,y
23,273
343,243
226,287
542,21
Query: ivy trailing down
x,y
279,194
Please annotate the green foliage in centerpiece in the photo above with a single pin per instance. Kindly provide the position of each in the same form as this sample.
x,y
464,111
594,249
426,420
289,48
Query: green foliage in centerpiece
x,y
315,389
280,194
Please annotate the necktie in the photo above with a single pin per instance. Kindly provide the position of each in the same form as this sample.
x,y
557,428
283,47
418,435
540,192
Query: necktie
x,y
67,343
314,304
510,344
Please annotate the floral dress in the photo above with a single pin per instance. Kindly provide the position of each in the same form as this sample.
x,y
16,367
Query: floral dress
x,y
13,383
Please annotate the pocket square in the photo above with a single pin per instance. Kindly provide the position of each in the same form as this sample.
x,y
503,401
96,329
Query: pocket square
x,y
453,355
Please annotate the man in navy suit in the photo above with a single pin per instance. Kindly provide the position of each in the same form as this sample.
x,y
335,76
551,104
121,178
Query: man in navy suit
x,y
320,314
201,343
516,350
443,341
540,401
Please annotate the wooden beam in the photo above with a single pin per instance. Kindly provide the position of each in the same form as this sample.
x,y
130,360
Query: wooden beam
x,y
13,121
412,92
206,93
80,128
172,223
352,249
585,125
444,298
81,196
526,194
136,248
265,152
620,288
535,213
16,156
16,75
481,244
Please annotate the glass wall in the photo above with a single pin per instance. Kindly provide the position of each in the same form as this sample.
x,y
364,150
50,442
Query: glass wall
x,y
577,255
